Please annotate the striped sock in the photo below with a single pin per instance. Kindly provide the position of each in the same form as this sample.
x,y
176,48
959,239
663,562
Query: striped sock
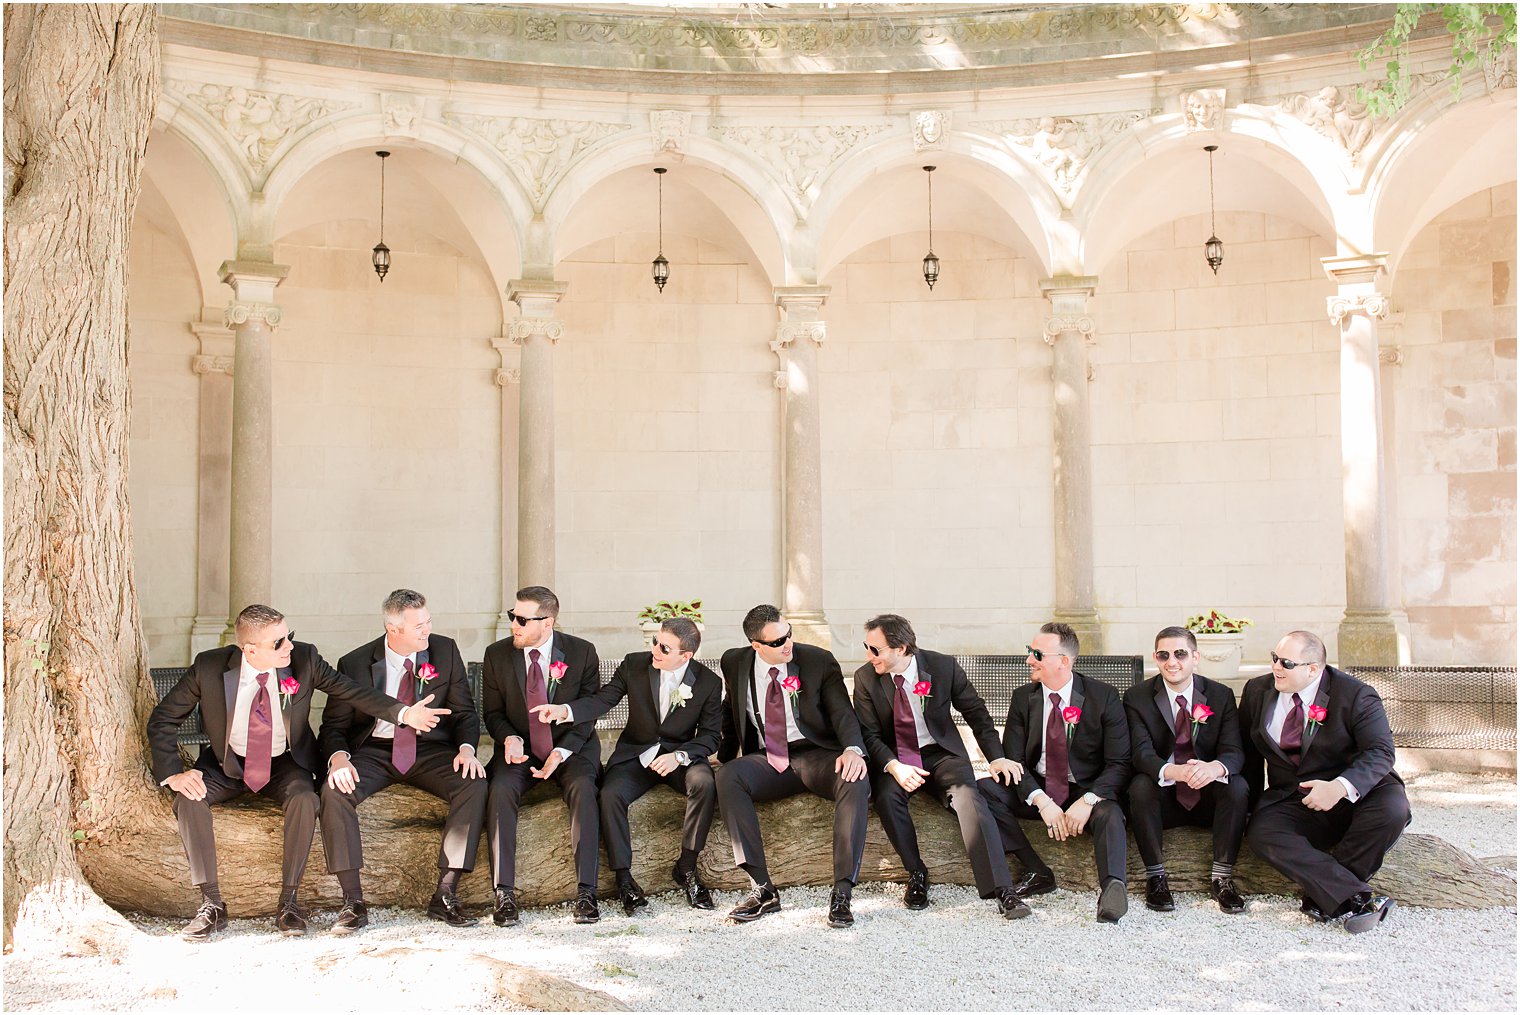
x,y
1156,871
1221,870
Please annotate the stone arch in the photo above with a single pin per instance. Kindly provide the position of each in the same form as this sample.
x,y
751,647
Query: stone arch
x,y
193,128
1008,182
763,215
197,210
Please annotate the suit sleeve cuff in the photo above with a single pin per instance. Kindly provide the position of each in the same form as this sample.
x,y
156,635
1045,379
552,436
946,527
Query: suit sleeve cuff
x,y
1351,793
337,754
564,753
1032,798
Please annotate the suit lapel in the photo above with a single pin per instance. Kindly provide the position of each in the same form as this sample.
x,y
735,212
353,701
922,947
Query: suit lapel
x,y
1322,699
279,676
230,689
655,679
1034,724
1264,727
1164,706
556,656
1077,697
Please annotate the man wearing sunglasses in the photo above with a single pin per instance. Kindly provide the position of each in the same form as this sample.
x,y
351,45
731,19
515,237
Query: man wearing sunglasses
x,y
902,697
1185,738
789,728
1069,732
536,666
255,702
675,715
366,755
1331,804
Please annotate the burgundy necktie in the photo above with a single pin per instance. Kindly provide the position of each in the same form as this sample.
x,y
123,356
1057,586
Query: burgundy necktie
x,y
540,740
1057,775
905,728
1182,753
1292,738
260,738
776,751
404,747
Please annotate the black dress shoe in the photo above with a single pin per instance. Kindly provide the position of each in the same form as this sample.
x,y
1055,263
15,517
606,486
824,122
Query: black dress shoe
x,y
1035,883
504,913
1313,912
208,920
1158,894
916,895
1010,906
697,895
631,895
761,900
291,919
1113,901
586,910
353,916
1224,892
445,906
839,909
1369,911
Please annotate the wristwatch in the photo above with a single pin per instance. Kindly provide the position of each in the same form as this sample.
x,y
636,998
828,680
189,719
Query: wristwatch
x,y
682,758
1091,799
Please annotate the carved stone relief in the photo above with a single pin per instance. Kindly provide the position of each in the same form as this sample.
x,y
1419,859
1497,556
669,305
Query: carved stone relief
x,y
801,156
538,151
523,328
1334,112
400,113
1201,109
241,312
1500,73
670,128
1340,307
259,122
1064,145
929,128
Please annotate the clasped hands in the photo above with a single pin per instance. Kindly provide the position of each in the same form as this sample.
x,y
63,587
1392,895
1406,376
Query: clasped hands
x,y
1059,824
1195,773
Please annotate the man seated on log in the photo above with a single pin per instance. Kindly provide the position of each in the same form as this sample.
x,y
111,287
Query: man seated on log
x,y
675,715
538,665
1185,741
255,701
789,728
1332,805
1069,732
365,755
903,696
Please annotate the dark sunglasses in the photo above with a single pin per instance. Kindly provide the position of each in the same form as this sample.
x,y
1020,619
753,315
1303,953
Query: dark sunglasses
x,y
522,621
662,648
1288,664
872,648
1039,656
778,642
279,643
1162,655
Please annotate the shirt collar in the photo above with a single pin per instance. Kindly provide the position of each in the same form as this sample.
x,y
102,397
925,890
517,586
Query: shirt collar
x,y
910,675
396,661
546,650
1187,692
1307,695
677,675
763,668
249,675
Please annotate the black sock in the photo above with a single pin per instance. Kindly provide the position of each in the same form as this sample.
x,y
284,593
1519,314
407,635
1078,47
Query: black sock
x,y
588,889
687,863
349,881
211,892
758,875
288,893
620,874
1031,861
843,886
448,881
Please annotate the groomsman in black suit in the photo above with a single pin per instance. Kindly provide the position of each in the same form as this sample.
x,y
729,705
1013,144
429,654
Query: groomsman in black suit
x,y
1069,732
366,755
675,715
1185,737
903,696
536,666
789,728
1332,805
255,701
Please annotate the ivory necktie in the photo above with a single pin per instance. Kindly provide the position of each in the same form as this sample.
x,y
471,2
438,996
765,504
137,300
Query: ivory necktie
x,y
1057,774
905,728
776,750
540,740
260,738
404,747
1182,752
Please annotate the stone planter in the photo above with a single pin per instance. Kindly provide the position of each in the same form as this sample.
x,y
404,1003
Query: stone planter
x,y
1220,655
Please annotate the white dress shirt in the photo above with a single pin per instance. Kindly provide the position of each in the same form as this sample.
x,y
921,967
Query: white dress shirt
x,y
669,681
248,686
395,669
545,660
1280,716
1171,704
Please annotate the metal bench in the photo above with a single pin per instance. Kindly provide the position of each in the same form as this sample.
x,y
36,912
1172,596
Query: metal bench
x,y
1464,708
997,677
190,732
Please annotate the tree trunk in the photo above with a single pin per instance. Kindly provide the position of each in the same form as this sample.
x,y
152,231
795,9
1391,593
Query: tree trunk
x,y
81,84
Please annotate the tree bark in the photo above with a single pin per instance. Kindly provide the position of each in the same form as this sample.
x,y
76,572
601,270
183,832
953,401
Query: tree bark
x,y
81,84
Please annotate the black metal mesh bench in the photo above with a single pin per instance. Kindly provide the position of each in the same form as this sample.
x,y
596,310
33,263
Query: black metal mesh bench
x,y
190,732
997,677
1466,708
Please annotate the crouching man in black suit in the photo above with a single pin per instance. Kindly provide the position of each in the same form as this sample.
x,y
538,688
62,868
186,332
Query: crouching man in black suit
x,y
675,716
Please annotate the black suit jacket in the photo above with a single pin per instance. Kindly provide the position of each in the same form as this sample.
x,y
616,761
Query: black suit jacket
x,y
822,709
212,683
1097,752
875,695
345,729
693,727
1152,735
505,676
1353,741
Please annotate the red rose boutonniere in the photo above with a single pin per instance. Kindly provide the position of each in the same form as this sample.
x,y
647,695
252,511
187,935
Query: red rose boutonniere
x,y
426,672
792,686
556,674
1071,716
1200,715
1317,715
289,686
922,689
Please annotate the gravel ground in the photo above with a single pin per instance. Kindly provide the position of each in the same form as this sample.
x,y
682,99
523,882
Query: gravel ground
x,y
672,958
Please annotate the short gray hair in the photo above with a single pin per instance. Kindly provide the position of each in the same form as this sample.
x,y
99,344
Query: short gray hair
x,y
399,602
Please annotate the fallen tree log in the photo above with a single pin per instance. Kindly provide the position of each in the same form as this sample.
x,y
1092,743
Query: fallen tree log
x,y
401,829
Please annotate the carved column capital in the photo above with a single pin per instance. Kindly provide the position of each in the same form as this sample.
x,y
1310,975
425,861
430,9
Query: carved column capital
x,y
242,311
1068,296
524,328
1057,323
789,331
253,284
508,376
1373,304
202,365
1391,355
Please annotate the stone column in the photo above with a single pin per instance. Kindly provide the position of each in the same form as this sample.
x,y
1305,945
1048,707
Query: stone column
x,y
1068,330
798,337
509,380
213,525
536,332
1372,632
252,315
